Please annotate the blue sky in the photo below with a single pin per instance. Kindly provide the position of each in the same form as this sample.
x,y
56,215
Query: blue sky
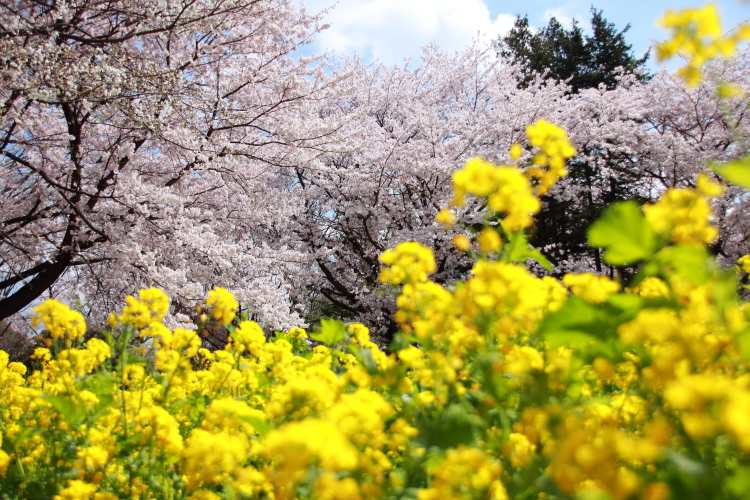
x,y
391,30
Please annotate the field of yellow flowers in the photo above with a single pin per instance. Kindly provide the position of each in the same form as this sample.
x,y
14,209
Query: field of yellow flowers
x,y
506,386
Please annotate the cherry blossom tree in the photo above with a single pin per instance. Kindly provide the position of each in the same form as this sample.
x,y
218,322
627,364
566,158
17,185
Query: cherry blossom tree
x,y
418,126
142,146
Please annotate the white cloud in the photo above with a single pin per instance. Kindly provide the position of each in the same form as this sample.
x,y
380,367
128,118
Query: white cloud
x,y
561,14
390,30
567,13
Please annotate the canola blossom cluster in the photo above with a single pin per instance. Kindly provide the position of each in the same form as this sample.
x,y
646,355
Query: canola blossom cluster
x,y
505,386
509,191
698,37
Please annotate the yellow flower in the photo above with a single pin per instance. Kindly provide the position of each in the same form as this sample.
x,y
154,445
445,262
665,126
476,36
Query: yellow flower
x,y
516,151
651,324
94,457
329,487
507,191
462,242
59,320
161,334
360,333
592,288
445,217
466,470
708,187
157,424
477,178
652,288
186,341
223,305
204,495
555,149
511,291
409,262
231,416
360,416
519,449
210,457
77,490
698,37
489,240
151,306
744,263
42,354
734,417
298,333
249,337
683,214
4,463
296,444
99,351
523,359
303,395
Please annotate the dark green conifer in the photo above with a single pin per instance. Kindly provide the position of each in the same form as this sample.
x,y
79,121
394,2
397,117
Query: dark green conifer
x,y
583,61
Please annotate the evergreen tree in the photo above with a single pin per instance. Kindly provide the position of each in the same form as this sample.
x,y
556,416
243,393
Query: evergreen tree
x,y
583,61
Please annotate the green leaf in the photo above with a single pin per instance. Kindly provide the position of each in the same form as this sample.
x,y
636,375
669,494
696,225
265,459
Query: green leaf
x,y
108,338
743,341
401,341
537,256
686,464
581,325
627,302
331,332
516,248
562,338
736,172
577,321
687,261
624,233
258,424
739,483
103,386
364,356
11,441
71,411
449,428
519,250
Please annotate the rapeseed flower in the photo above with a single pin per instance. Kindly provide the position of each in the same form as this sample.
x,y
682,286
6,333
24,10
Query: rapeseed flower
x,y
698,37
684,215
222,304
59,320
554,150
409,262
151,306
